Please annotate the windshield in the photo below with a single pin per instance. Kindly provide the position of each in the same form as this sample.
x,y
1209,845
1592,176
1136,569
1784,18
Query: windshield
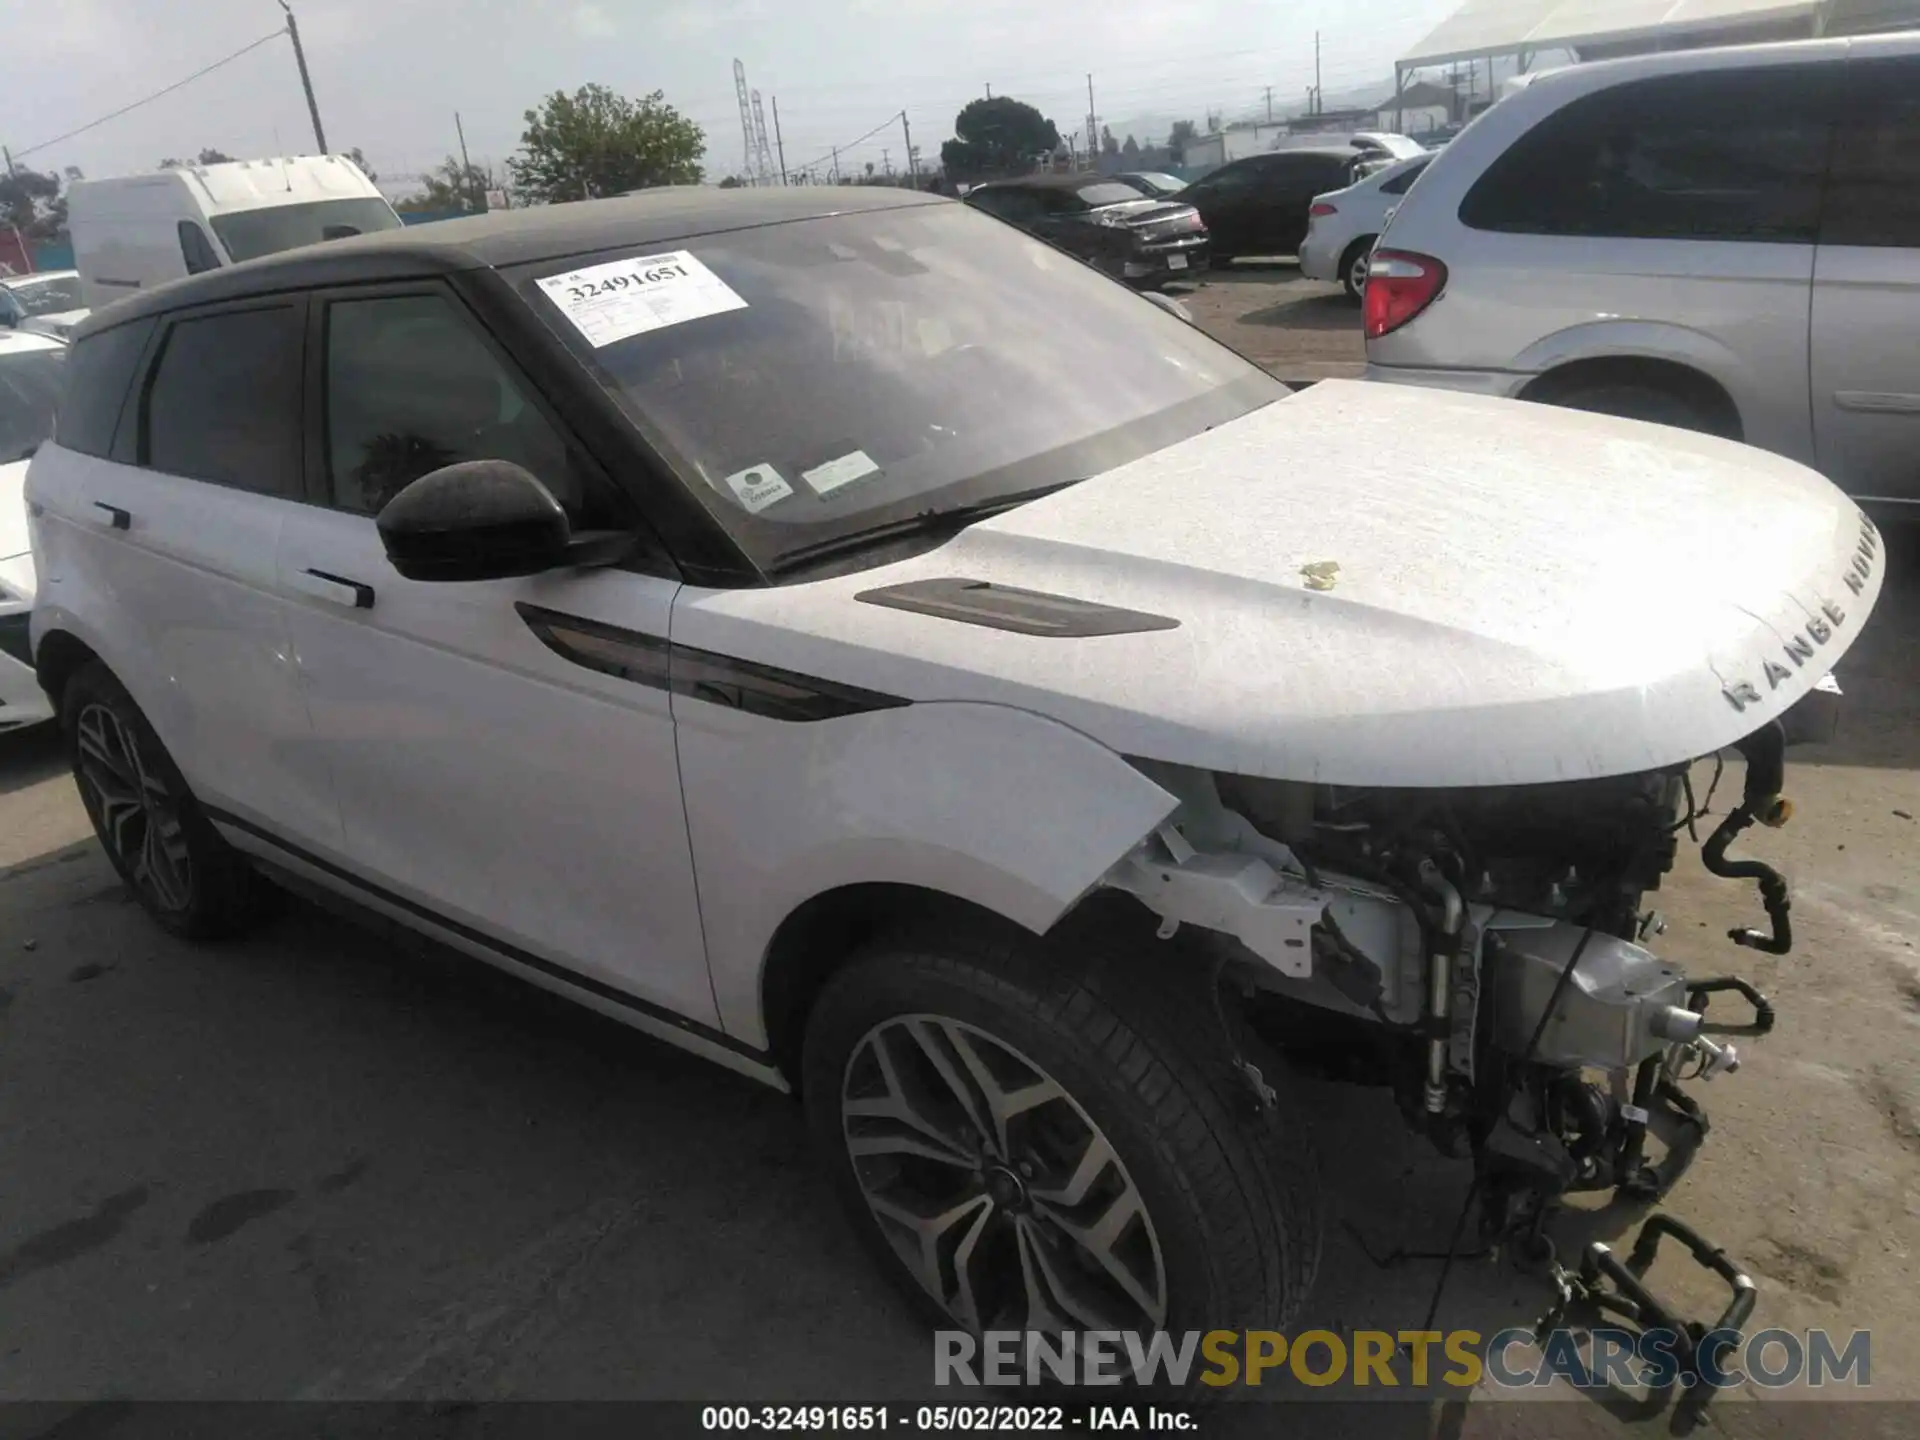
x,y
249,234
30,382
1111,193
1165,184
817,379
47,297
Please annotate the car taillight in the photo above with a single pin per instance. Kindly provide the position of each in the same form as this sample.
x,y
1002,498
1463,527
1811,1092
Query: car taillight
x,y
1322,209
1400,285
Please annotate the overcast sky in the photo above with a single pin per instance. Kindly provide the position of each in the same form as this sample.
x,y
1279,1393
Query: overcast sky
x,y
390,74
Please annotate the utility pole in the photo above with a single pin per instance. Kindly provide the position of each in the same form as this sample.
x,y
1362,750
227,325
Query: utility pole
x,y
778,143
466,168
989,92
11,172
1269,104
886,161
836,164
913,161
1093,129
1317,105
306,81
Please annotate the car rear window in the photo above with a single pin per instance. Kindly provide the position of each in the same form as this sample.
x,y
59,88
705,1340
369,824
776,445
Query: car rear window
x,y
224,402
1723,155
99,373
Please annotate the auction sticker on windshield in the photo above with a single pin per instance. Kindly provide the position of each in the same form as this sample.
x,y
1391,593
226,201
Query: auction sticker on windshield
x,y
831,476
758,487
612,302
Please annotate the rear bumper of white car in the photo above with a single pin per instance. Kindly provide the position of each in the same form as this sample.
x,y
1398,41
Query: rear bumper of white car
x,y
1498,383
1320,257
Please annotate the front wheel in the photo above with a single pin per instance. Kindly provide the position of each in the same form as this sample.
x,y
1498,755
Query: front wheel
x,y
1031,1145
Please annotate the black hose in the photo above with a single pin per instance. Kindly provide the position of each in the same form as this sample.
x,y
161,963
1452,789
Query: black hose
x,y
1765,753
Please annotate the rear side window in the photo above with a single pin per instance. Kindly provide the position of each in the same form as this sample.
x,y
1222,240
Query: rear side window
x,y
1873,195
99,374
1400,183
1729,155
196,249
224,401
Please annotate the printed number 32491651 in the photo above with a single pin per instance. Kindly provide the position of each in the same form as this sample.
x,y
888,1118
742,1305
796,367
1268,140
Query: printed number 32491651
x,y
615,283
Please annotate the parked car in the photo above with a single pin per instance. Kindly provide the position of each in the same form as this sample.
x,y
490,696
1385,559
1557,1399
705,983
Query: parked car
x,y
1343,224
46,301
132,232
1257,205
1724,240
1108,224
32,368
852,640
1154,183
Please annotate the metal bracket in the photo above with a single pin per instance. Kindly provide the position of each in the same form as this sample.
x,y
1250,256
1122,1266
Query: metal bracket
x,y
1271,913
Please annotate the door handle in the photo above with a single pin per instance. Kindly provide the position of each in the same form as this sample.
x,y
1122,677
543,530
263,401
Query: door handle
x,y
112,516
336,588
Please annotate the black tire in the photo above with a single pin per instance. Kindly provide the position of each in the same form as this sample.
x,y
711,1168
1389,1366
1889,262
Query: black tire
x,y
1353,274
187,878
1635,401
1228,1187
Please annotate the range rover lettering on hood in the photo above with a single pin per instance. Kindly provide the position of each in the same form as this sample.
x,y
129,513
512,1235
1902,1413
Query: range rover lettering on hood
x,y
1802,645
1006,607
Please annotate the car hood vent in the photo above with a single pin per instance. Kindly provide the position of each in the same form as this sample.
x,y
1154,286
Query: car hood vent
x,y
1003,607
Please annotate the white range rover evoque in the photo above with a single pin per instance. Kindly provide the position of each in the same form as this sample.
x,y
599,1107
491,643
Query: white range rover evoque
x,y
848,638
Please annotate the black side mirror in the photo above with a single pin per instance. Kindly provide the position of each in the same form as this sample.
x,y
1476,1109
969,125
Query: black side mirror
x,y
485,520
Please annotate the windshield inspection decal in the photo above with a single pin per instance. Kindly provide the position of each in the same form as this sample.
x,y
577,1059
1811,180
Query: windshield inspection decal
x,y
757,487
613,302
827,478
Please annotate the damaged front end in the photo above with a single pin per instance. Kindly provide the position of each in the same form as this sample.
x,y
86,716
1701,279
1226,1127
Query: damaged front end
x,y
1486,952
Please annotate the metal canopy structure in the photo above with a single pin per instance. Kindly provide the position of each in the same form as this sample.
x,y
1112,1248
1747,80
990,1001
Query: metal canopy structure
x,y
1520,30
1483,29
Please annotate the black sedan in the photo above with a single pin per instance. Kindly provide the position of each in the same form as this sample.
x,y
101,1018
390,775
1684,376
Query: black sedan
x,y
1109,225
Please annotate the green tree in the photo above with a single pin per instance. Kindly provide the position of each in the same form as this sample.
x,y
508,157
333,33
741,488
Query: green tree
x,y
595,142
1183,134
452,186
1130,152
208,156
32,203
1108,145
365,169
1001,136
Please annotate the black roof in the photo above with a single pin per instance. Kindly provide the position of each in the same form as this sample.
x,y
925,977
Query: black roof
x,y
512,237
1046,181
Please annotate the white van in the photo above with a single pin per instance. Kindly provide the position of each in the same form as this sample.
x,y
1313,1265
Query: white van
x,y
133,232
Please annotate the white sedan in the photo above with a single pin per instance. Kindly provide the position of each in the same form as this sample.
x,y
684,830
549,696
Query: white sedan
x,y
47,301
31,369
1343,224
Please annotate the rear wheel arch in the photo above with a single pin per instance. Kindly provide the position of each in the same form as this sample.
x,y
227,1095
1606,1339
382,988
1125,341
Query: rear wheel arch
x,y
60,656
1704,397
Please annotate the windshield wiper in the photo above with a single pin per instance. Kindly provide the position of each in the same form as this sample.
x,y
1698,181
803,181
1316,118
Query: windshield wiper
x,y
954,517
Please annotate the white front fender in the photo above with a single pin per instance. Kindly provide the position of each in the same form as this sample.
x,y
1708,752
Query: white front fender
x,y
1004,808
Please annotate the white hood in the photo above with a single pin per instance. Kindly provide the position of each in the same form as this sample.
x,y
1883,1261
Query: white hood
x,y
1522,594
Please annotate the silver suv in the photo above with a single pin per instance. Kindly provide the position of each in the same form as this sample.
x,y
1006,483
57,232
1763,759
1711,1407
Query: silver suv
x,y
1726,240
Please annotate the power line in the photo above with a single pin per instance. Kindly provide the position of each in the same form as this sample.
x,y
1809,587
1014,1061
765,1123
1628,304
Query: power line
x,y
115,115
832,149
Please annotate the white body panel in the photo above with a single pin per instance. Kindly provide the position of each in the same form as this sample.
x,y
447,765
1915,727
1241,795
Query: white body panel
x,y
181,603
1498,622
488,779
126,229
22,701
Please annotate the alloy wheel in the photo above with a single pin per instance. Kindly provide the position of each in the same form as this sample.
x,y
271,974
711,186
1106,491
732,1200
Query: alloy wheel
x,y
134,812
994,1187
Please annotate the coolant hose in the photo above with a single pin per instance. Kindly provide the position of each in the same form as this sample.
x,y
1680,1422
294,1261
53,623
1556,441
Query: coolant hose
x,y
1761,801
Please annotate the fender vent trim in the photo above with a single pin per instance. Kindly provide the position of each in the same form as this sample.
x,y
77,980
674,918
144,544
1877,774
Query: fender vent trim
x,y
1005,607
